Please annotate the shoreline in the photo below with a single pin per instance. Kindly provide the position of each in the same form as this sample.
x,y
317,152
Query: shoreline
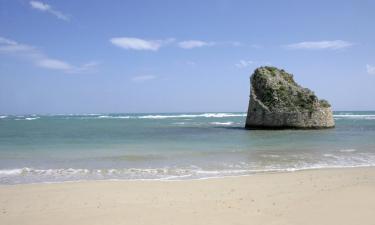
x,y
263,172
314,196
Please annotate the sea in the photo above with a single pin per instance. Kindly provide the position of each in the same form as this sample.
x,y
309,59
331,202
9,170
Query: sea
x,y
172,146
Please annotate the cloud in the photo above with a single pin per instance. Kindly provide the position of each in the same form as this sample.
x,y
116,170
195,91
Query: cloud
x,y
47,8
10,46
134,43
53,64
139,44
190,44
320,45
143,78
247,63
194,44
38,58
244,63
7,41
370,69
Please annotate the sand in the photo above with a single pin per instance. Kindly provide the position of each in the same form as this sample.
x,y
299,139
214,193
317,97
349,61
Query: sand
x,y
327,196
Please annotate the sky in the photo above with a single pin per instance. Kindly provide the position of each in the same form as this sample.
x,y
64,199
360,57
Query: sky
x,y
179,56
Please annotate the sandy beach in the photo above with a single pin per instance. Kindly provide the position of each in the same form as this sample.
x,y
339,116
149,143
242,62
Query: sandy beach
x,y
327,196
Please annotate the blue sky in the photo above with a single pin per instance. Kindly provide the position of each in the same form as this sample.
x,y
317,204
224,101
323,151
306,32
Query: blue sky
x,y
179,56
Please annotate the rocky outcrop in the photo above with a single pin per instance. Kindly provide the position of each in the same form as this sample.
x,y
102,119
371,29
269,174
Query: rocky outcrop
x,y
278,102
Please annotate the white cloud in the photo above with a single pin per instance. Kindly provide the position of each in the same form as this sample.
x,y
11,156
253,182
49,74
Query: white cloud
x,y
244,63
317,45
40,59
7,41
247,63
53,64
139,44
85,68
134,43
40,5
47,8
194,44
143,78
10,46
189,44
370,69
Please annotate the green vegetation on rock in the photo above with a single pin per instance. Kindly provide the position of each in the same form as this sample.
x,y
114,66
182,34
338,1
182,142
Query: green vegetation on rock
x,y
277,90
324,103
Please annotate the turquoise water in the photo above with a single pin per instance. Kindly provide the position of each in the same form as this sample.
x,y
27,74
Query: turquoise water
x,y
49,148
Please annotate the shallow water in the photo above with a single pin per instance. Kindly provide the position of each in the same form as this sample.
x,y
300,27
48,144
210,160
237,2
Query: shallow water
x,y
49,148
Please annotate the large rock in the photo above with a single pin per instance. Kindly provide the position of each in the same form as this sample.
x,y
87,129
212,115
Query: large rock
x,y
278,102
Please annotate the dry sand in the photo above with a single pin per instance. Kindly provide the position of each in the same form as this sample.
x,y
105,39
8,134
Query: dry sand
x,y
329,196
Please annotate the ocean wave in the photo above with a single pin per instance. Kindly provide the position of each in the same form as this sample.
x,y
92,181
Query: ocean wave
x,y
180,123
3,117
270,156
222,123
113,117
28,175
205,115
28,118
75,114
347,150
10,172
31,171
171,116
351,116
33,175
158,116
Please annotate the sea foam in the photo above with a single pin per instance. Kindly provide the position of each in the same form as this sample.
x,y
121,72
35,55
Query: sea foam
x,y
358,117
113,117
28,118
222,123
205,115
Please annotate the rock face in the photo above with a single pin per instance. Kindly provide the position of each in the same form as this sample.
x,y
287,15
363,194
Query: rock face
x,y
278,102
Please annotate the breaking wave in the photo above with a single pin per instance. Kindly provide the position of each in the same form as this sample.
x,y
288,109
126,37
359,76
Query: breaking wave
x,y
113,117
222,123
204,115
357,117
270,163
28,118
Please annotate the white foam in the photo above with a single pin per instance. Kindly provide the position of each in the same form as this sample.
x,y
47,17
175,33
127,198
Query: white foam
x,y
350,116
151,116
11,172
222,123
31,171
113,117
329,160
347,150
29,118
205,115
270,156
221,172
